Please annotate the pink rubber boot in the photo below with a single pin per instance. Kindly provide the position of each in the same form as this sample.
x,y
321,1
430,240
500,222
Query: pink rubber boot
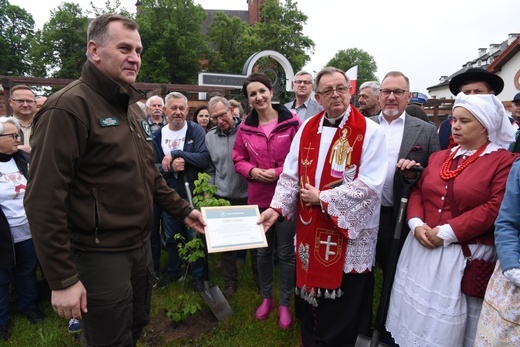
x,y
265,308
284,314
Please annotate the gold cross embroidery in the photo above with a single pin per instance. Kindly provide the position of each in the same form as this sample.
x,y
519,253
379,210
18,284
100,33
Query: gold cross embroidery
x,y
304,179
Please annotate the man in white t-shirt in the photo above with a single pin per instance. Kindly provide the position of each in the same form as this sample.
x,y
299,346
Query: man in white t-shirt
x,y
180,154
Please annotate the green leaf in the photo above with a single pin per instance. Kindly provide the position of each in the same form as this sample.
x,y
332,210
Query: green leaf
x,y
177,317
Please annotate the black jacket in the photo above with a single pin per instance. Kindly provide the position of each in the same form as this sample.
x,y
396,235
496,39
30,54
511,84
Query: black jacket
x,y
93,179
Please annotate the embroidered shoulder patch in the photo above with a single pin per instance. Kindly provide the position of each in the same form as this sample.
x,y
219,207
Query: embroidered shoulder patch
x,y
109,122
147,130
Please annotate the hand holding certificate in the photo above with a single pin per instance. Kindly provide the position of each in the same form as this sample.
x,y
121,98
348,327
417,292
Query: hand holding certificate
x,y
230,228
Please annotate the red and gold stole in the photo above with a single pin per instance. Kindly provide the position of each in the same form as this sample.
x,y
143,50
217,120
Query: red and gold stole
x,y
320,244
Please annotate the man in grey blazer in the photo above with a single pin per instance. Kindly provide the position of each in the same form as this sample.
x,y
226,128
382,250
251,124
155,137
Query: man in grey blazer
x,y
406,137
304,105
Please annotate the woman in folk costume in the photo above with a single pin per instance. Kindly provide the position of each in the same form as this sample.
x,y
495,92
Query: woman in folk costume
x,y
331,185
455,202
261,145
499,323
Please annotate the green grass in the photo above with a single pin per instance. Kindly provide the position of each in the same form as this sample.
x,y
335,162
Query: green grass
x,y
239,330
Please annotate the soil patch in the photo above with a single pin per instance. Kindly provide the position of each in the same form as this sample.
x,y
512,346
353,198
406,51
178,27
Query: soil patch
x,y
163,330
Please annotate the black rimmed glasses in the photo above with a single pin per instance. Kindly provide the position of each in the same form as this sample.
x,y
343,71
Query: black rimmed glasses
x,y
398,93
338,89
221,115
15,136
24,101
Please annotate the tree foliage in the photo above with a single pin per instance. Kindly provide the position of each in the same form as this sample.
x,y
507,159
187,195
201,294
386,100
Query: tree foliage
x,y
345,59
171,31
16,34
108,8
281,29
59,50
226,36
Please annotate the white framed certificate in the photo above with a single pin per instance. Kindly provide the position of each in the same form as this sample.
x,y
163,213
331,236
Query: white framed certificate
x,y
231,228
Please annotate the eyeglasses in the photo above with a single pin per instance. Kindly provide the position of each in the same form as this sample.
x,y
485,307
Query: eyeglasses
x,y
398,93
302,82
338,89
24,101
221,115
15,136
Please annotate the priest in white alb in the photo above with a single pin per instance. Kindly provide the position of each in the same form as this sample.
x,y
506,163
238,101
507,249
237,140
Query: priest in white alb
x,y
331,184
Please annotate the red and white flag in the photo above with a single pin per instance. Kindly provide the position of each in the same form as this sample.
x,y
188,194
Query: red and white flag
x,y
352,76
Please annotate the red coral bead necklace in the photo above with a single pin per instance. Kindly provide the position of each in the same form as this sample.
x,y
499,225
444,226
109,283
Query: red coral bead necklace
x,y
448,174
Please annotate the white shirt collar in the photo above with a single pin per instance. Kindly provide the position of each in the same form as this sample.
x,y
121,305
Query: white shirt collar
x,y
491,147
345,116
383,119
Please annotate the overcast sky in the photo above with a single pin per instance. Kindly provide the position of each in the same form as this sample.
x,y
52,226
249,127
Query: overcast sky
x,y
424,40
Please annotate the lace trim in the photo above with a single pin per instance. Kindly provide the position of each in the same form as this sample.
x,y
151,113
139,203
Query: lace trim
x,y
494,331
286,193
361,252
352,203
425,301
486,337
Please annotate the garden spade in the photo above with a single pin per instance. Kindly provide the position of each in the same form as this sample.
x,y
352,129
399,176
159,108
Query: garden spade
x,y
212,294
363,341
216,301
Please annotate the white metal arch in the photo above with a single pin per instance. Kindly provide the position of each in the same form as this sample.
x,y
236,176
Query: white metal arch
x,y
289,72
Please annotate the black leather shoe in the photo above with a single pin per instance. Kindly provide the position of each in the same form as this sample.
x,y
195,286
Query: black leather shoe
x,y
230,290
198,285
167,279
4,332
34,316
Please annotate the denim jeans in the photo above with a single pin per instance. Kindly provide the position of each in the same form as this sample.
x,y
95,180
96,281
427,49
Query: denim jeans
x,y
229,259
155,238
24,276
284,232
171,227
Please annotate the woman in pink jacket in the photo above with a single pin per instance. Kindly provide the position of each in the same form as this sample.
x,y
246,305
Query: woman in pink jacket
x,y
262,143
